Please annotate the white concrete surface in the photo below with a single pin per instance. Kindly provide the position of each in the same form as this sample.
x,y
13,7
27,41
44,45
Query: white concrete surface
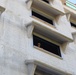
x,y
16,47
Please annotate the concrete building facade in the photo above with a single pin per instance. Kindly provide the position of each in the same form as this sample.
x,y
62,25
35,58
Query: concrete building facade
x,y
37,37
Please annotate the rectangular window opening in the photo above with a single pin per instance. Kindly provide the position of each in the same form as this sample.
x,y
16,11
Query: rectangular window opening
x,y
46,45
42,17
72,24
43,71
46,1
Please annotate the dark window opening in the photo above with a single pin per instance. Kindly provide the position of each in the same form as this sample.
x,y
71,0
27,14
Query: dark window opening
x,y
42,17
46,1
43,71
72,24
48,46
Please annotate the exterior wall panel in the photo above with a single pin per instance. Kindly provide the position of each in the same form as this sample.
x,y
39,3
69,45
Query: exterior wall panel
x,y
16,47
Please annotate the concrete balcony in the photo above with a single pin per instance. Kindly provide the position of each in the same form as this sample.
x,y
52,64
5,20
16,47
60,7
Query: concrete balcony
x,y
45,29
35,64
47,8
50,31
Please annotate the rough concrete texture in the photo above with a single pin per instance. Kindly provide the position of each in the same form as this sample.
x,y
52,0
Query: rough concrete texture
x,y
16,47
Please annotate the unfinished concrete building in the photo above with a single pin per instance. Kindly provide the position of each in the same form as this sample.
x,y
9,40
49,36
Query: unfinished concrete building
x,y
37,37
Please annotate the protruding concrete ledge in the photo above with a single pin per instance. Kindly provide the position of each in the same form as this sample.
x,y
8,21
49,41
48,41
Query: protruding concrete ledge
x,y
33,64
45,6
46,30
51,33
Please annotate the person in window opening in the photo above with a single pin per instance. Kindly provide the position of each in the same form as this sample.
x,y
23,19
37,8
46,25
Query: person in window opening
x,y
39,44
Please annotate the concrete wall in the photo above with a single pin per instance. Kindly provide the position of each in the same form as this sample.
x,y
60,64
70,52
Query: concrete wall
x,y
16,47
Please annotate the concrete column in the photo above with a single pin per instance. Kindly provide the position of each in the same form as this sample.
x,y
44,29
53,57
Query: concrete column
x,y
31,68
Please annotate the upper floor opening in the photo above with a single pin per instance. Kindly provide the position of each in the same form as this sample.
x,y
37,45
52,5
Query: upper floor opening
x,y
43,18
46,1
46,8
73,25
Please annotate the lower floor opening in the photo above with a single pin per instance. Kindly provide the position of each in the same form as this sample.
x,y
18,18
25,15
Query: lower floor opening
x,y
46,45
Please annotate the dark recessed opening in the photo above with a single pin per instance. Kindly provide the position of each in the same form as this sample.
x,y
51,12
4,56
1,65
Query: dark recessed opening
x,y
43,71
46,1
48,46
72,24
42,17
